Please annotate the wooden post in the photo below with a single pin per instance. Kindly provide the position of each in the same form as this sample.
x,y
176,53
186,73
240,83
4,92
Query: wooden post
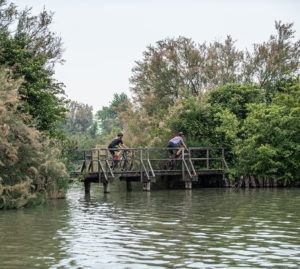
x,y
182,166
83,168
131,166
207,158
87,186
141,166
147,186
106,187
188,184
92,161
99,170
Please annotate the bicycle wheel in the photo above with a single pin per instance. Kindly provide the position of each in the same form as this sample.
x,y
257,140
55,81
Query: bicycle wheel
x,y
170,165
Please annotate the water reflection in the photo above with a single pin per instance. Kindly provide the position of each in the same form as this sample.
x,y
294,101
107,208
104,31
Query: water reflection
x,y
31,237
204,228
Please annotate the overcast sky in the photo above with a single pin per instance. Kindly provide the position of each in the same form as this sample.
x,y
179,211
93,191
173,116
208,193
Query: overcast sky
x,y
104,38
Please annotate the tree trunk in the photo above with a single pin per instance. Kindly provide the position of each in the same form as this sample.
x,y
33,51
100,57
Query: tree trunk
x,y
260,182
246,180
240,184
252,180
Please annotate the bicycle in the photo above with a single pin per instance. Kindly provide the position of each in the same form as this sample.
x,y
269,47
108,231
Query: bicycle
x,y
172,162
123,159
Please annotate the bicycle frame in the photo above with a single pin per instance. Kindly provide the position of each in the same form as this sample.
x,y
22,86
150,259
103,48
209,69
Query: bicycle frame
x,y
173,160
119,158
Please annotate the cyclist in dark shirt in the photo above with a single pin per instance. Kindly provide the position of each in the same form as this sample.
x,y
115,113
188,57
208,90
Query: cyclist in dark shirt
x,y
115,143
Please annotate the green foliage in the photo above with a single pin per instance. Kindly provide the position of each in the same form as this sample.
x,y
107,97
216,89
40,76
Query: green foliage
x,y
235,97
108,114
93,130
271,144
193,117
214,120
288,95
78,119
84,140
30,50
30,170
31,109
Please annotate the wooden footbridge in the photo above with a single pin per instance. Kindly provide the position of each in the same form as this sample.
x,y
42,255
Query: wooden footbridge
x,y
148,165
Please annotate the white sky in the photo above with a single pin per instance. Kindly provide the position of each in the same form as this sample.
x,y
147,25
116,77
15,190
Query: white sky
x,y
104,38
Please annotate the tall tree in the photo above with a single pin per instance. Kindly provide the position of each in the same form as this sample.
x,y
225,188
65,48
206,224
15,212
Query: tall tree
x,y
79,117
177,68
30,49
108,114
274,60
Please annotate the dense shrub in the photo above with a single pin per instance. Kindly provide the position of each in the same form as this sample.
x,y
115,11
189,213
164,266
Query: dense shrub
x,y
29,166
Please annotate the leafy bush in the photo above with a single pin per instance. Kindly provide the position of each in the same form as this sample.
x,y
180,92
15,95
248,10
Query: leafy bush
x,y
30,171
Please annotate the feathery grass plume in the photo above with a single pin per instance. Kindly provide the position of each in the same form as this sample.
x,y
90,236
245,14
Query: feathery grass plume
x,y
30,170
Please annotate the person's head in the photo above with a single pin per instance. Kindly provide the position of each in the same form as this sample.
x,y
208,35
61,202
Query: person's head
x,y
181,134
120,135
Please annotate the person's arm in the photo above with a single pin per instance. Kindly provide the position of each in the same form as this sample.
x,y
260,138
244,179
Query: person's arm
x,y
122,145
182,142
185,146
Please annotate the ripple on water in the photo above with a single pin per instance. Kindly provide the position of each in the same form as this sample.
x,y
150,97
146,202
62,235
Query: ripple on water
x,y
207,228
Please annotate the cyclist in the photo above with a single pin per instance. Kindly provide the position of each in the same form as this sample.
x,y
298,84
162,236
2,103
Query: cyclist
x,y
175,142
116,142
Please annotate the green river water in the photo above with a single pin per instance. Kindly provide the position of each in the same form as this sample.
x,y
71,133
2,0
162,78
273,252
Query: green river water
x,y
199,228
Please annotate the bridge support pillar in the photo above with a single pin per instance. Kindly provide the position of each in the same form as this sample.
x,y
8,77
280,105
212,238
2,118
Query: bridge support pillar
x,y
147,186
106,187
87,187
188,185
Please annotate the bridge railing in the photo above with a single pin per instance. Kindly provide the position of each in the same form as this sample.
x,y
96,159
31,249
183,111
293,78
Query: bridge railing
x,y
150,161
208,158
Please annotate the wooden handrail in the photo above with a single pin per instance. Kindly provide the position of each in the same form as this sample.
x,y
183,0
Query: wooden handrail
x,y
147,162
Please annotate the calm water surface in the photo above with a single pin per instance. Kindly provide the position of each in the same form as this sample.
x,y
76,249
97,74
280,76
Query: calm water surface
x,y
202,228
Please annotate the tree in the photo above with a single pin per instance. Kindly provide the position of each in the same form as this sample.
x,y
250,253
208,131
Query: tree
x,y
193,117
178,68
31,50
266,142
30,170
235,98
79,117
93,129
8,14
274,60
107,116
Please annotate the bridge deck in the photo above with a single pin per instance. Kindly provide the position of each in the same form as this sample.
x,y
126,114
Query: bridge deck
x,y
148,165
